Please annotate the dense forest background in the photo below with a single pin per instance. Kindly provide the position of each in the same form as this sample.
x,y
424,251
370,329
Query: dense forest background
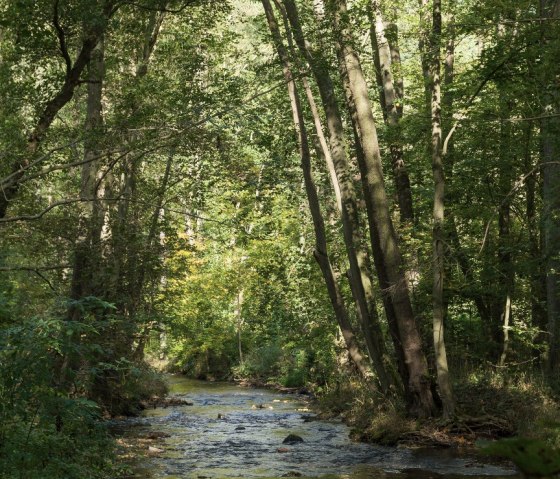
x,y
349,196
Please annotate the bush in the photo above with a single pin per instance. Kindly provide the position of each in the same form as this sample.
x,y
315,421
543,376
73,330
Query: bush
x,y
44,430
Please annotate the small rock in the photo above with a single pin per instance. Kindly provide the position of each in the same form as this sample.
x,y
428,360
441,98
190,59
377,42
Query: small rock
x,y
292,474
221,416
240,428
282,449
257,406
155,450
292,439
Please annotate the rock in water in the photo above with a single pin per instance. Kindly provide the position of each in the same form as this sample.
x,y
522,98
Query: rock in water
x,y
292,439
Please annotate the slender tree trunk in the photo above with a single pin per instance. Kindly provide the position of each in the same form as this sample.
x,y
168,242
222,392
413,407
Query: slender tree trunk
x,y
239,322
438,218
321,254
359,275
85,259
538,296
85,265
127,242
392,105
421,400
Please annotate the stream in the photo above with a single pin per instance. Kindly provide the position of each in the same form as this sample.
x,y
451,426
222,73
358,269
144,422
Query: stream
x,y
225,434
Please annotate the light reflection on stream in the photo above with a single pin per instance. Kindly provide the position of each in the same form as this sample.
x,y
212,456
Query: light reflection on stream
x,y
247,443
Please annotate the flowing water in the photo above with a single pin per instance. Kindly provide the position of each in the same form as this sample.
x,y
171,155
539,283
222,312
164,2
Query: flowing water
x,y
223,435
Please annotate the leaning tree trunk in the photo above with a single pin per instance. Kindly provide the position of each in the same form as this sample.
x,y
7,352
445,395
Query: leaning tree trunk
x,y
321,252
421,400
359,275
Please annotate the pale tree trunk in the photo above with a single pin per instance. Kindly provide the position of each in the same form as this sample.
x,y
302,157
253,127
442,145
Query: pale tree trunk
x,y
382,276
86,262
505,266
359,275
321,252
421,400
239,322
391,103
423,45
443,379
550,158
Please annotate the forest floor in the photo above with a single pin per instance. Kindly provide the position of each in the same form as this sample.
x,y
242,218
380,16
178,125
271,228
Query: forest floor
x,y
486,410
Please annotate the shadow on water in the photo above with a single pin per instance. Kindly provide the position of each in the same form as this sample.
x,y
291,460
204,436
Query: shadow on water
x,y
246,442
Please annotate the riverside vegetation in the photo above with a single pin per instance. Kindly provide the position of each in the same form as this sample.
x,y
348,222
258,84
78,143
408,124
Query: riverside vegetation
x,y
359,197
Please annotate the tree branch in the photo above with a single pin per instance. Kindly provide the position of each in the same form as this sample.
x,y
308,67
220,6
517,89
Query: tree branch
x,y
61,38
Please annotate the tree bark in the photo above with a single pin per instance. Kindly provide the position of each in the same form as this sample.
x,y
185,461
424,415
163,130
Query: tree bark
x,y
421,400
337,164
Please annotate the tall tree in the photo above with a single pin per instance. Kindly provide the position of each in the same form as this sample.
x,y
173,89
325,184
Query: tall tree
x,y
321,252
359,275
438,238
391,92
385,245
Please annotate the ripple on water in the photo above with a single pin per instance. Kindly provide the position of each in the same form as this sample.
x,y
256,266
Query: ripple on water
x,y
248,442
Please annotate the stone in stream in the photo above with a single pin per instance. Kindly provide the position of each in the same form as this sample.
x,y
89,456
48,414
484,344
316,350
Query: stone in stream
x,y
292,474
221,416
292,439
155,450
240,428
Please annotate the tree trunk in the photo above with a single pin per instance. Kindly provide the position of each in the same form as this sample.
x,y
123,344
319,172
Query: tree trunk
x,y
392,112
421,400
321,254
359,275
438,265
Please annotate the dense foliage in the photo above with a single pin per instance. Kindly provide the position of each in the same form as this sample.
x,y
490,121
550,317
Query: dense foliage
x,y
394,218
